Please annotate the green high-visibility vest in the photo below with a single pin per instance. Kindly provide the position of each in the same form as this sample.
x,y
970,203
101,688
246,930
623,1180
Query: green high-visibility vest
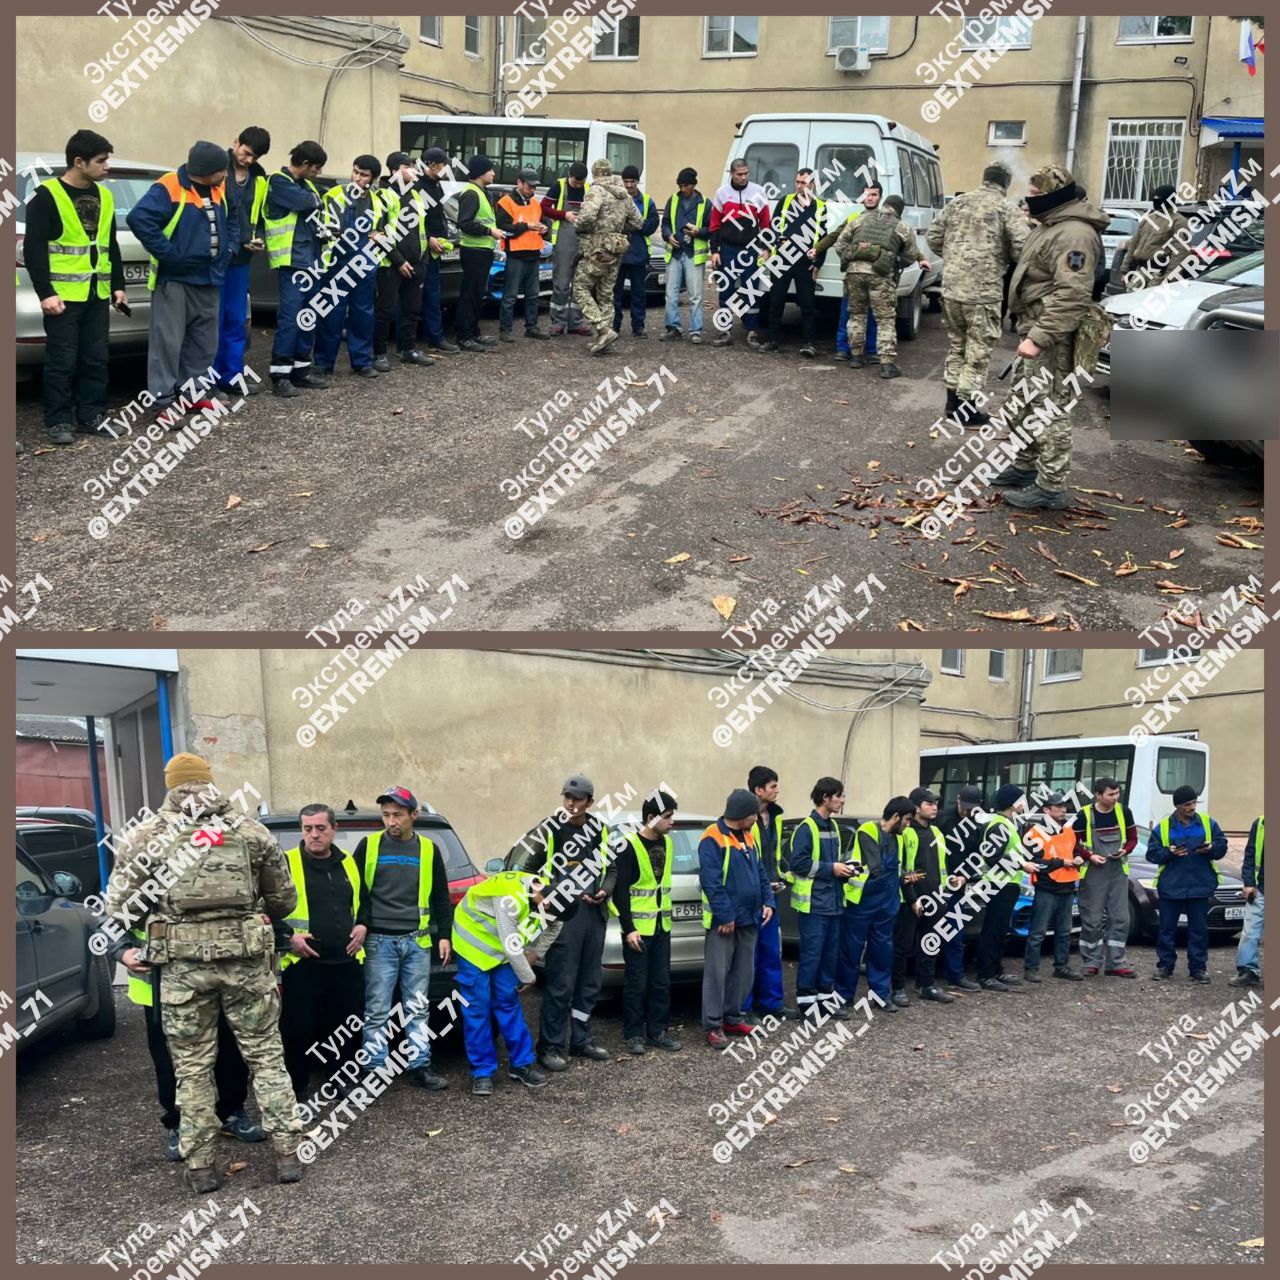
x,y
426,869
757,835
911,846
819,214
299,920
280,230
651,899
181,197
1088,835
73,258
997,872
140,987
484,215
1257,848
1163,828
475,932
854,885
728,843
802,886
560,203
701,247
259,202
336,199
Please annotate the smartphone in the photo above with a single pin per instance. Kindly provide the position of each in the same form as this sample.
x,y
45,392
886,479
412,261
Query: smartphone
x,y
124,308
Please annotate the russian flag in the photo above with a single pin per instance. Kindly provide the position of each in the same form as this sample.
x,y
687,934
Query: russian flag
x,y
1247,47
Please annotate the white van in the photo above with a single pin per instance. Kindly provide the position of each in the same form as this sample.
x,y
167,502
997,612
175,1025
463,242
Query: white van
x,y
845,152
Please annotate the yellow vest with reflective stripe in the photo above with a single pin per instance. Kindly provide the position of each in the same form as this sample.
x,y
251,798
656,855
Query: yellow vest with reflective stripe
x,y
73,258
911,847
998,872
475,932
802,886
560,203
701,247
1088,835
1163,828
854,885
299,919
484,216
140,987
426,868
651,900
280,230
746,841
1257,849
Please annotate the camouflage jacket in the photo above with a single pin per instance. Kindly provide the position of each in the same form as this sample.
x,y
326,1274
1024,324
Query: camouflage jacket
x,y
1052,285
846,241
607,215
979,233
1156,238
134,875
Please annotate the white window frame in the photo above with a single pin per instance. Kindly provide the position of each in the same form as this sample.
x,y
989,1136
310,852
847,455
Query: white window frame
x,y
993,141
535,34
615,56
1142,139
1154,38
438,42
990,42
1170,658
729,53
1046,678
950,671
1003,678
849,17
478,19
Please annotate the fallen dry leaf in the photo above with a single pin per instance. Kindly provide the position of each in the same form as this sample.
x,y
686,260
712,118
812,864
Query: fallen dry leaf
x,y
302,493
159,622
434,1133
1077,577
233,501
873,466
1014,615
732,559
320,546
253,551
1125,570
804,571
40,537
1173,555
848,1168
1174,588
909,624
680,558
235,1168
1230,540
1250,1244
1115,1088
724,606
1048,555
795,1164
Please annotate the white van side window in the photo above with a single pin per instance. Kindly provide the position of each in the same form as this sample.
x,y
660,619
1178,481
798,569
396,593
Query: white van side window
x,y
906,176
844,171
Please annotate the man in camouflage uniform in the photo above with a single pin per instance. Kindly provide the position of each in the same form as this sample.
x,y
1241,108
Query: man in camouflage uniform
x,y
607,215
1154,251
192,877
1051,293
869,248
979,234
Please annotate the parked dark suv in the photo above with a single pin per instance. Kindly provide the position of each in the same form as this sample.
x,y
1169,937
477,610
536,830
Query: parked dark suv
x,y
60,982
63,846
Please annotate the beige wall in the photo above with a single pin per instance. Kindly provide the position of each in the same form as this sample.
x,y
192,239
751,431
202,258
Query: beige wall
x,y
489,738
1227,716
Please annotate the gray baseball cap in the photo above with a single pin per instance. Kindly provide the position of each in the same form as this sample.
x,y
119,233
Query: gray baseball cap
x,y
579,786
529,175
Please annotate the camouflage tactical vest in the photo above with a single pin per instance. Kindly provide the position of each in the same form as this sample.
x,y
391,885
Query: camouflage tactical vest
x,y
879,232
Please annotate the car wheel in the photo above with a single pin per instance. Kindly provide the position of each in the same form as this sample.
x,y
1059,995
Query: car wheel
x,y
909,313
102,1023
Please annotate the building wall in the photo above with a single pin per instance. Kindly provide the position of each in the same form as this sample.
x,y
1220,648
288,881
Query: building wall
x,y
57,774
489,738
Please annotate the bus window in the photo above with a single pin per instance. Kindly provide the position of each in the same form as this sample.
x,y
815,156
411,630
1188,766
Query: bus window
x,y
843,172
935,172
905,176
774,162
924,187
621,151
1177,767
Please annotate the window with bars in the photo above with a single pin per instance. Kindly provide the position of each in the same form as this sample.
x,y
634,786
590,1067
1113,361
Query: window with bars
x,y
1141,155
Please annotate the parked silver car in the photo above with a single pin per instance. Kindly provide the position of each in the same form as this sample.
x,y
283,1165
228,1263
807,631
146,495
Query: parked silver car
x,y
128,181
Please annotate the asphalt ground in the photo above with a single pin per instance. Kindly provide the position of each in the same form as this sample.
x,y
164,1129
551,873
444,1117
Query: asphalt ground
x,y
752,477
937,1119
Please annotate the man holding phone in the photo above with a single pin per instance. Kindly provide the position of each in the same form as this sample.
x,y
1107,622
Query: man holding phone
x,y
1108,835
1185,846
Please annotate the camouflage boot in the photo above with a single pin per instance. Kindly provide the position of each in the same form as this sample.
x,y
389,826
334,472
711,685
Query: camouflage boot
x,y
604,339
203,1180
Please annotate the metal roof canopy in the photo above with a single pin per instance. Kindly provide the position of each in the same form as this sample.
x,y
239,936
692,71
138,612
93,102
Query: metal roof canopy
x,y
87,682
1235,126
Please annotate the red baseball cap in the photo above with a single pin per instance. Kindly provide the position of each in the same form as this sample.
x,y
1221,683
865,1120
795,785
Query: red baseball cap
x,y
399,795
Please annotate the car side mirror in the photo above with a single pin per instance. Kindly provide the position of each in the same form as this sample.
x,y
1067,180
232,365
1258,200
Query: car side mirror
x,y
67,884
494,865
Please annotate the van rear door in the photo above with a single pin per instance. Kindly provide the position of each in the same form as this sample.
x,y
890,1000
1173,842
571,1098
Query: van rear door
x,y
774,149
845,155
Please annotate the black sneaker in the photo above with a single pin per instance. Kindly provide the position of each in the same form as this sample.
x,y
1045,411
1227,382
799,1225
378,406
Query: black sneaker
x,y
553,1061
382,363
671,335
506,336
238,1125
767,345
1069,974
313,378
665,1041
937,995
1014,478
1244,978
284,387
1034,498
964,984
855,362
807,351
93,426
414,357
842,356
529,1076
537,334
203,1180
482,1086
425,1078
992,984
486,342
1008,979
640,334
841,1014
1200,977
61,433
368,371
890,370
471,345
171,1146
637,1046
889,1007
590,1050
900,999
444,348
1161,974
1031,975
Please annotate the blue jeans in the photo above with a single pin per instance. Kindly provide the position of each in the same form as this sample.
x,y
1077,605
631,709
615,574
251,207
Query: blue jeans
x,y
388,959
1197,912
766,993
819,956
432,319
952,949
233,324
291,348
738,264
1050,910
492,1000
842,329
357,309
634,273
867,927
682,272
519,277
1247,951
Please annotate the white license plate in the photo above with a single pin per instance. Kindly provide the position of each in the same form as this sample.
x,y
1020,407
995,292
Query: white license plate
x,y
544,273
1233,913
1075,913
686,911
135,272
662,277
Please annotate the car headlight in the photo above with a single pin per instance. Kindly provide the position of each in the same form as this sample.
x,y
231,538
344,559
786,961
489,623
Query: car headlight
x,y
1147,884
1124,322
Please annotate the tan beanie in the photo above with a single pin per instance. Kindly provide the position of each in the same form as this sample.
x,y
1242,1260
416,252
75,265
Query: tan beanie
x,y
184,767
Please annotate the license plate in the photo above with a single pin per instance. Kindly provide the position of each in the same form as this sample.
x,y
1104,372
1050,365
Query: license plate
x,y
662,277
1075,913
544,273
1233,913
135,272
686,911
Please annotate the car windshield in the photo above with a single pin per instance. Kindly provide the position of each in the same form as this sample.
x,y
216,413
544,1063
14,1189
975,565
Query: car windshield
x,y
1239,271
1122,224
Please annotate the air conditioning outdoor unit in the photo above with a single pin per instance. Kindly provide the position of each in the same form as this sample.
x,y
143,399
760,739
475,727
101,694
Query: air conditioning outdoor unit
x,y
852,59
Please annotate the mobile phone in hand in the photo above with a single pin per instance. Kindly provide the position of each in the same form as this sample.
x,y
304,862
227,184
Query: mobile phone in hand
x,y
123,308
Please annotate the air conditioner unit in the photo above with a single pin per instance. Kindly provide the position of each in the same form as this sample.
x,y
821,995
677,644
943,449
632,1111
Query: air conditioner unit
x,y
853,58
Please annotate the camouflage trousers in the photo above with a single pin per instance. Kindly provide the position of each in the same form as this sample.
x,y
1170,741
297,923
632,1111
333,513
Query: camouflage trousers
x,y
593,283
865,289
191,994
1045,391
973,329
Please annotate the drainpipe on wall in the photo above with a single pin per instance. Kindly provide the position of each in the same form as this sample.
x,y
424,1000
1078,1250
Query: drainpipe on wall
x,y
500,58
1024,709
1082,25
